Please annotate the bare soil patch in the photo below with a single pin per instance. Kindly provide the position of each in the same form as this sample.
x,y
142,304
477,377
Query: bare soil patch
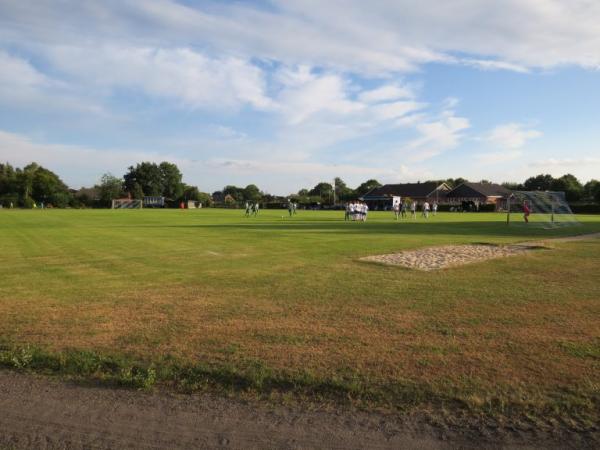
x,y
36,412
434,258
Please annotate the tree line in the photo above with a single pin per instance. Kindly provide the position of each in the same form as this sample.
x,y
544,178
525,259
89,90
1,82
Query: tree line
x,y
34,184
569,184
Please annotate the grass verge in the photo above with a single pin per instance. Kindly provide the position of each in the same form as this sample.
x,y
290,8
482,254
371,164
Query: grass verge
x,y
571,407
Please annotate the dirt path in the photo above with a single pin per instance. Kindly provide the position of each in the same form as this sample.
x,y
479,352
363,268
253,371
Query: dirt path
x,y
39,413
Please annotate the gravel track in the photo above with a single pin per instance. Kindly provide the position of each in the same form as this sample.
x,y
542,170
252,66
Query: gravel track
x,y
41,413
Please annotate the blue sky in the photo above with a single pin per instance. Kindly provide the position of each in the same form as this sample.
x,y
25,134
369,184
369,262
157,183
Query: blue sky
x,y
285,94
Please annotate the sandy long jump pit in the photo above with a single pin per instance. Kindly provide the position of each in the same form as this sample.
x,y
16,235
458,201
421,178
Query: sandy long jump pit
x,y
433,258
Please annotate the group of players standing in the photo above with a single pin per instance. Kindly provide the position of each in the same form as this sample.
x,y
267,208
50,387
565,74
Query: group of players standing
x,y
252,209
292,208
401,209
356,211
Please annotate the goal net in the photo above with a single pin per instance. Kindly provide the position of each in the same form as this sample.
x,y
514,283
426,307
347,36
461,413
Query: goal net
x,y
126,203
547,209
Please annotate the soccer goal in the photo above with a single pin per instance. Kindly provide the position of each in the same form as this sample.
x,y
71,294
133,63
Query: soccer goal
x,y
546,209
126,203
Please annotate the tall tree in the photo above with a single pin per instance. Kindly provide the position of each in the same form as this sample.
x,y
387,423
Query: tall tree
x,y
342,191
9,189
324,191
592,190
454,182
570,185
237,193
150,179
110,187
8,179
252,193
542,182
190,193
171,180
47,187
513,186
367,186
145,179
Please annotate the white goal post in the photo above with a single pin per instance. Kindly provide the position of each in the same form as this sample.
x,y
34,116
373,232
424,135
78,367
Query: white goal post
x,y
126,203
548,209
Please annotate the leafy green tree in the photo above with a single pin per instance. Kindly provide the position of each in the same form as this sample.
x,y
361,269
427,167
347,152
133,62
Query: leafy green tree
x,y
110,187
539,183
151,179
46,185
190,193
454,182
9,192
59,199
513,186
35,184
8,179
235,192
25,184
205,199
144,179
570,185
324,191
87,197
342,191
252,193
367,186
171,180
592,190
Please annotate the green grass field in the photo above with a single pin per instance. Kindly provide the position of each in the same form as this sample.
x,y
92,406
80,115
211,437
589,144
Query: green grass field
x,y
209,299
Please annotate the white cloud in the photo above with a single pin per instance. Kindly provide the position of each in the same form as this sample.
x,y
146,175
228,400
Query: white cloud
x,y
437,136
326,93
365,37
23,86
17,70
509,138
567,162
181,74
385,93
396,110
511,135
498,157
488,64
85,164
275,174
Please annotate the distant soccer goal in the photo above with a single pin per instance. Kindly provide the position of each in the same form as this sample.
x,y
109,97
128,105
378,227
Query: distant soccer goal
x,y
126,203
546,209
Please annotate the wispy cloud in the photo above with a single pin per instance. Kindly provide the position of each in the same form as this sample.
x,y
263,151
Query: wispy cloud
x,y
437,136
489,64
85,165
567,162
511,135
366,37
507,140
187,77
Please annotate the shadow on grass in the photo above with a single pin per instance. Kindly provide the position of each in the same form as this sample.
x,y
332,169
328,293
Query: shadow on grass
x,y
410,228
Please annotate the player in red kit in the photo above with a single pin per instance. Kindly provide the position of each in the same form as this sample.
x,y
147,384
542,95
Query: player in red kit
x,y
526,212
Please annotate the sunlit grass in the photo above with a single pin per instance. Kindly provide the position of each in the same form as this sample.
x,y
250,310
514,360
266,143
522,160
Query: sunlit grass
x,y
209,294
